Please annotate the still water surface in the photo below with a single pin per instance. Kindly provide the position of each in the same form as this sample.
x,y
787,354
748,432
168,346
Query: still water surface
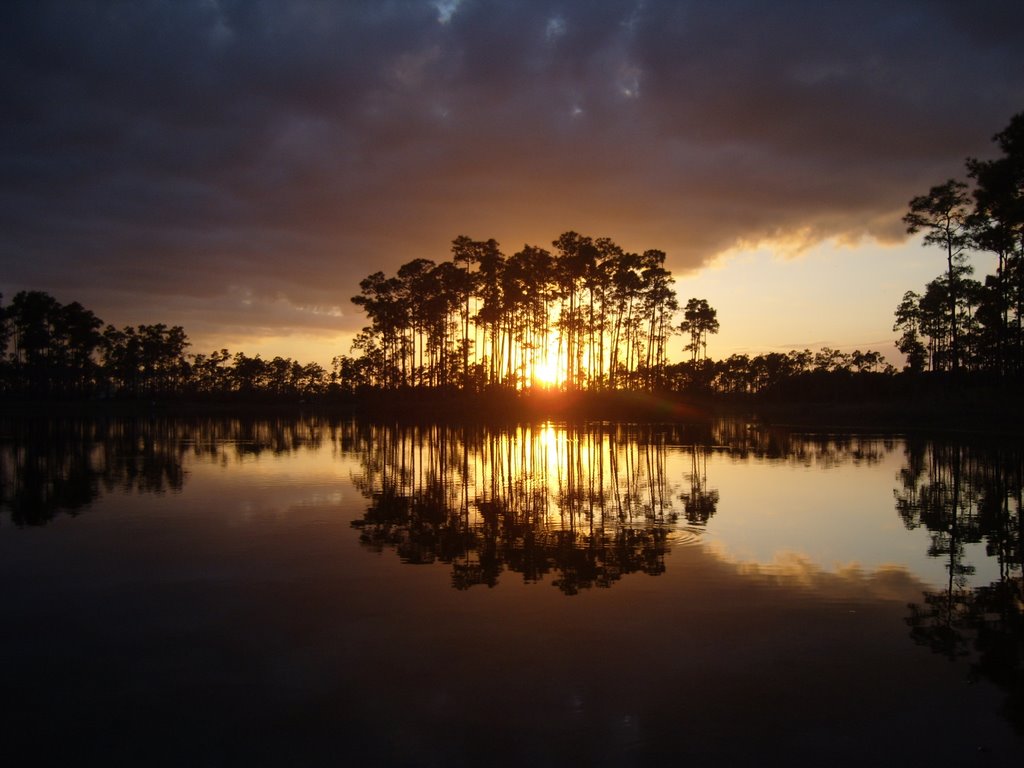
x,y
312,591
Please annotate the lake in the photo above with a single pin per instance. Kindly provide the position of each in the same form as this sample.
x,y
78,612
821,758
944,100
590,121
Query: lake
x,y
311,591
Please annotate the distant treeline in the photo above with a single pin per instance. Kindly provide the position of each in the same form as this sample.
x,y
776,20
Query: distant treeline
x,y
66,351
959,323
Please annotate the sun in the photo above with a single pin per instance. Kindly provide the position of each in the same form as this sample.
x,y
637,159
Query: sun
x,y
547,369
545,373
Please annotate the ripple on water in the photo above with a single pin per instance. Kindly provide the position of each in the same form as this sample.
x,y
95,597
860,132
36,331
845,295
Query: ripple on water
x,y
687,536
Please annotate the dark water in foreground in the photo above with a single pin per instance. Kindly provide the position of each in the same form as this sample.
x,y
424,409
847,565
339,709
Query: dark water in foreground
x,y
310,592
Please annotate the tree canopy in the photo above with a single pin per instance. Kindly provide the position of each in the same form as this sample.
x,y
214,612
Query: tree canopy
x,y
960,323
585,315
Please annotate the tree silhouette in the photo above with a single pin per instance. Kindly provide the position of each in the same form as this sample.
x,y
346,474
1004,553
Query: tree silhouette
x,y
53,345
699,320
943,216
146,360
997,226
4,325
596,315
909,321
972,325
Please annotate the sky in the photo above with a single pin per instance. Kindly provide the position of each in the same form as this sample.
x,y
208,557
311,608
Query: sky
x,y
238,166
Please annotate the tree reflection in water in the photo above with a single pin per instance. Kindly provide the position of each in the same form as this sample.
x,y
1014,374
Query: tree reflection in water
x,y
585,505
58,464
701,502
968,495
581,506
55,465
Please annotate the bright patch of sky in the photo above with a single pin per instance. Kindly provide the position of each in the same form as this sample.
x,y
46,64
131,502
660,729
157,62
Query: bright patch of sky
x,y
446,9
629,81
554,29
836,295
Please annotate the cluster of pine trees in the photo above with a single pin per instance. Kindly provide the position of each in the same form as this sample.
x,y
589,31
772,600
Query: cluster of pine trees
x,y
959,323
588,315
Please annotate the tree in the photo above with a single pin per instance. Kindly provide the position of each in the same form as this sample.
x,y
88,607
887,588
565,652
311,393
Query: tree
x,y
415,292
5,329
121,358
908,320
659,306
446,285
33,317
997,225
491,263
699,320
54,343
163,362
943,215
79,337
866,362
211,374
463,254
147,359
829,359
389,315
626,284
575,259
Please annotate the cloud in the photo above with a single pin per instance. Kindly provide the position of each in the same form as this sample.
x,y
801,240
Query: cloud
x,y
173,156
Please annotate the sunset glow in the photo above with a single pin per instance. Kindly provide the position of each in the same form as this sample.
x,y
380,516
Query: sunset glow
x,y
512,382
182,184
546,373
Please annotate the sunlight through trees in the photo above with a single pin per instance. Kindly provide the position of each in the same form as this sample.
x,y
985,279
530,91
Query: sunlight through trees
x,y
587,316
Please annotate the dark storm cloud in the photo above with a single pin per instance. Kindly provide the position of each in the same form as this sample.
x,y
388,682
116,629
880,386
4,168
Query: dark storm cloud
x,y
244,164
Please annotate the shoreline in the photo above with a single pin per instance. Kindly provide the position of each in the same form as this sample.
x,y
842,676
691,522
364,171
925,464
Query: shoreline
x,y
954,412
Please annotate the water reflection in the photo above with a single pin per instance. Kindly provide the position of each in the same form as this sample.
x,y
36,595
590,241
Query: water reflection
x,y
584,506
967,495
55,465
577,507
745,440
700,502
